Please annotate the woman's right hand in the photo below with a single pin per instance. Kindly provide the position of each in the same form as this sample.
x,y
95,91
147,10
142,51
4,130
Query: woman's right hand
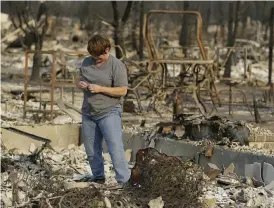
x,y
82,85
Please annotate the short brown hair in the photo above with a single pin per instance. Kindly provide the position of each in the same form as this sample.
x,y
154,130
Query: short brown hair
x,y
97,45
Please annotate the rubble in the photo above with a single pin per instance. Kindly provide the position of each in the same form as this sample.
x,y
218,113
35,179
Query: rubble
x,y
241,196
270,186
54,171
229,170
46,178
156,203
212,170
216,128
62,119
156,174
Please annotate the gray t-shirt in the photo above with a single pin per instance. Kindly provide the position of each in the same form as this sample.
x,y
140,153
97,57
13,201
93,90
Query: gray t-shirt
x,y
113,73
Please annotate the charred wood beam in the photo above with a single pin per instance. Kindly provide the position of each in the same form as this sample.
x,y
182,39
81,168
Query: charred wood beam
x,y
33,136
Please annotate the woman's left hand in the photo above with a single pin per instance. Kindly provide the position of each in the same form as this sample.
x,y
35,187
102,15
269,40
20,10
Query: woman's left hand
x,y
95,88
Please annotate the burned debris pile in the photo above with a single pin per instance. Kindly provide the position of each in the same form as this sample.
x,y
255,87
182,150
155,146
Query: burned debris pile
x,y
220,130
28,179
155,174
217,128
45,179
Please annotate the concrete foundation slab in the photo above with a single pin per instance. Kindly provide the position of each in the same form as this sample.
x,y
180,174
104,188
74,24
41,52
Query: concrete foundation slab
x,y
268,173
63,135
221,157
60,135
249,170
257,171
270,186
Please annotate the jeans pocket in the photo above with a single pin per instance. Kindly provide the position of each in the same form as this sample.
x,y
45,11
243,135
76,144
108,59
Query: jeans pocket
x,y
117,110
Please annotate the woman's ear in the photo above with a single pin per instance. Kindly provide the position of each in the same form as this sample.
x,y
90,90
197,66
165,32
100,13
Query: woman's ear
x,y
107,50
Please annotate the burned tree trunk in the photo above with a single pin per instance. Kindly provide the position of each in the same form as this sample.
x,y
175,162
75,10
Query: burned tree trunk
x,y
141,40
37,29
256,110
231,34
219,35
119,25
271,22
37,60
134,26
84,16
230,41
119,40
184,30
207,20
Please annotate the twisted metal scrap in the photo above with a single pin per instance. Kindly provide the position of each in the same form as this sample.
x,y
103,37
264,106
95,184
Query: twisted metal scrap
x,y
90,197
155,174
36,175
83,198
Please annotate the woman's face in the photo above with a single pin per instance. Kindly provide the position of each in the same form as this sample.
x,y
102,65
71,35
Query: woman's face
x,y
103,57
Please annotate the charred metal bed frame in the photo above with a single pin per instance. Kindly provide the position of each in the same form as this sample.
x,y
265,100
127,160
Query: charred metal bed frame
x,y
157,66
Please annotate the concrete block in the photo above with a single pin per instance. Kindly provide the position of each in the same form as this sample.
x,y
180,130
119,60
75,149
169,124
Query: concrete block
x,y
212,170
229,169
156,203
249,170
128,154
254,170
72,184
32,148
270,186
257,171
268,173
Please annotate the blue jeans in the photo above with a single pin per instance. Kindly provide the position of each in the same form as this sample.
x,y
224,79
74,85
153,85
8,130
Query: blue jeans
x,y
109,127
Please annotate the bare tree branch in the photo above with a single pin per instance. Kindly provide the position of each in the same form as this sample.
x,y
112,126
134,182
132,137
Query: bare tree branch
x,y
24,14
13,22
127,12
42,10
30,12
103,19
20,21
45,27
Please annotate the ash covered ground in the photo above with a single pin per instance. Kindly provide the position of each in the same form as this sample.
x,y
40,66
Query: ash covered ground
x,y
45,176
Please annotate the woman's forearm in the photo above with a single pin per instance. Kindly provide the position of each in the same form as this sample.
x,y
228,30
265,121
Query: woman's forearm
x,y
114,91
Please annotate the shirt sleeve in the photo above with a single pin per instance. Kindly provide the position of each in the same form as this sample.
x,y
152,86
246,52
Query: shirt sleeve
x,y
120,76
80,72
